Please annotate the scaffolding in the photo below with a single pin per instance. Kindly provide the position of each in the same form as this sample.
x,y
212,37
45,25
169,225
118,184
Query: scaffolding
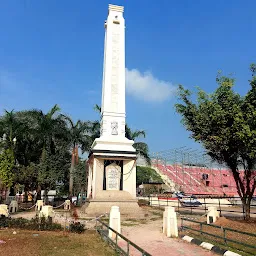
x,y
193,171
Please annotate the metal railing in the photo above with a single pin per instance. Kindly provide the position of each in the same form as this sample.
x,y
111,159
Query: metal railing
x,y
222,235
103,229
221,207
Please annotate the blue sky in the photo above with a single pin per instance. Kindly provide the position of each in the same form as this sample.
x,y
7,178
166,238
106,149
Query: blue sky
x,y
51,52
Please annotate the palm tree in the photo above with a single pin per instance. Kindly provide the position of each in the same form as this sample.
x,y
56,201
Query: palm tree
x,y
79,137
141,147
47,129
94,126
9,127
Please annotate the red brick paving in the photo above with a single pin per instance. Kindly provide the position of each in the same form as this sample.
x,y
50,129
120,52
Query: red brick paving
x,y
150,238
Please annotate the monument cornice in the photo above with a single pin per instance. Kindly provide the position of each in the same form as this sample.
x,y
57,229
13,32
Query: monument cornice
x,y
116,8
114,153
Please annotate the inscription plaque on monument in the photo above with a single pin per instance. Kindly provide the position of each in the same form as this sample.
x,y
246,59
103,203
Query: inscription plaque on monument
x,y
113,173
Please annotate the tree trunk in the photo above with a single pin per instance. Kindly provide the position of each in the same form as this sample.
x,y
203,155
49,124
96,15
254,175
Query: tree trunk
x,y
244,193
5,194
46,196
71,175
26,189
25,195
247,209
38,193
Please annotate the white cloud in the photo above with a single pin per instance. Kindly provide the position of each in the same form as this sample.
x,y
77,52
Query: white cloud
x,y
147,87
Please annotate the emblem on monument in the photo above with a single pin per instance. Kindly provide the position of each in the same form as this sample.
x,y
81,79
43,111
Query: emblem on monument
x,y
114,126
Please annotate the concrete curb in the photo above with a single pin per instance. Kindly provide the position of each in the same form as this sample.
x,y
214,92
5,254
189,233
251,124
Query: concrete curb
x,y
209,246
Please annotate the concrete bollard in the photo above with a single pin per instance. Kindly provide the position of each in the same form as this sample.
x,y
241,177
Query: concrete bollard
x,y
170,224
39,205
212,214
4,210
13,207
67,205
47,211
114,221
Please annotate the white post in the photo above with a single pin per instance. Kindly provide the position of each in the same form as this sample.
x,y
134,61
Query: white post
x,y
4,210
39,205
170,224
47,211
67,205
13,207
114,221
212,214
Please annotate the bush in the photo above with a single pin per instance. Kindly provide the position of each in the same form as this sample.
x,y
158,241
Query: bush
x,y
33,224
76,227
3,221
18,223
44,224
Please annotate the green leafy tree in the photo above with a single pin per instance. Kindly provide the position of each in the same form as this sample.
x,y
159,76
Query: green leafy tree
x,y
53,169
48,127
146,174
48,130
8,126
28,148
80,177
224,122
7,167
27,176
42,151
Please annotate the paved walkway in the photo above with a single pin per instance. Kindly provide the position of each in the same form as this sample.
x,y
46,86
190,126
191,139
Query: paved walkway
x,y
150,238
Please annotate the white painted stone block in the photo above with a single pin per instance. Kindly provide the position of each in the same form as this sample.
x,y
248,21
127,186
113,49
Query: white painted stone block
x,y
39,205
13,207
4,210
229,253
212,214
47,211
207,246
67,205
114,221
187,238
170,224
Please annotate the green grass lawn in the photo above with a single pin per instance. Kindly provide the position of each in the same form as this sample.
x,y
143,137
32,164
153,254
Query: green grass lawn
x,y
46,243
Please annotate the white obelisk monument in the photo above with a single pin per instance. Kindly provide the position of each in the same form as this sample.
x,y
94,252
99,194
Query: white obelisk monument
x,y
112,161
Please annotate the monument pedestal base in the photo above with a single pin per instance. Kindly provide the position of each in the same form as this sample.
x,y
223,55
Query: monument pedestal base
x,y
106,199
130,208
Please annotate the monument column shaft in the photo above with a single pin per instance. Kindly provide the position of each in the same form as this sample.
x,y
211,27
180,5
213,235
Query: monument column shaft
x,y
113,85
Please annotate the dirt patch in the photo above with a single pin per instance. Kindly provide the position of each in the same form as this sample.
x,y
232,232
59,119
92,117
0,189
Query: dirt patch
x,y
246,226
220,234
